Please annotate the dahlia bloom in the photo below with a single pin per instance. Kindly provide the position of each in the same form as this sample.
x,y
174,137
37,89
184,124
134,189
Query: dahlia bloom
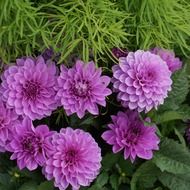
x,y
30,146
8,119
81,88
142,80
75,161
168,56
28,87
48,54
118,52
128,133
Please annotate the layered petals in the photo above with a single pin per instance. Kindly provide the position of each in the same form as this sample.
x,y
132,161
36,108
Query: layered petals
x,y
75,160
82,88
142,81
168,56
128,133
30,146
29,87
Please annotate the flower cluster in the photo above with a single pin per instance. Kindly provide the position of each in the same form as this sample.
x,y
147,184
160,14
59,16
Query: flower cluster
x,y
33,88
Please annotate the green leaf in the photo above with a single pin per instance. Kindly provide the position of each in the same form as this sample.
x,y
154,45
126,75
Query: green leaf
x,y
180,137
182,113
145,176
114,181
158,188
172,157
179,91
102,179
109,160
125,166
47,185
4,179
175,182
88,121
30,185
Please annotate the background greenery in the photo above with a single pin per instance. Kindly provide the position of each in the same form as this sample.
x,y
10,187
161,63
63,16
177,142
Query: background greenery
x,y
89,29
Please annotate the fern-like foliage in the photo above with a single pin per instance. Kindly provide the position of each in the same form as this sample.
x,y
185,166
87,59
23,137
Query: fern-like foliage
x,y
86,27
159,23
21,29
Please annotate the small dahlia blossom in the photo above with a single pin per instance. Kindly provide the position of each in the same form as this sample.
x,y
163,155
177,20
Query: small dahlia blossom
x,y
28,87
75,161
81,88
48,54
142,80
119,52
8,119
128,133
30,146
168,56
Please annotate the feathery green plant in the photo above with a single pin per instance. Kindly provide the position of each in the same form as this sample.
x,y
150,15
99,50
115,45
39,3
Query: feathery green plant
x,y
21,30
73,26
163,23
86,27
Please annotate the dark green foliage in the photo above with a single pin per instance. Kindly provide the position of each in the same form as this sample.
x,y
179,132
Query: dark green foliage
x,y
172,157
175,182
145,176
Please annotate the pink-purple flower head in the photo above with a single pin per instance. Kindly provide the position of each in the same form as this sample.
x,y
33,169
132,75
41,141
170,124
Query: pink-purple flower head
x,y
29,87
8,119
168,56
119,52
128,133
142,80
81,88
75,161
30,146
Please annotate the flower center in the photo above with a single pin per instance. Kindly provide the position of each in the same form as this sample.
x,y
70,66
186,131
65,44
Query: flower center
x,y
81,88
132,135
31,144
31,90
71,157
27,144
146,77
149,76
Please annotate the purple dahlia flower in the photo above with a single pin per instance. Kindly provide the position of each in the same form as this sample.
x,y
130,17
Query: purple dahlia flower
x,y
81,88
128,133
8,119
168,56
48,54
119,52
142,80
28,87
30,146
75,161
